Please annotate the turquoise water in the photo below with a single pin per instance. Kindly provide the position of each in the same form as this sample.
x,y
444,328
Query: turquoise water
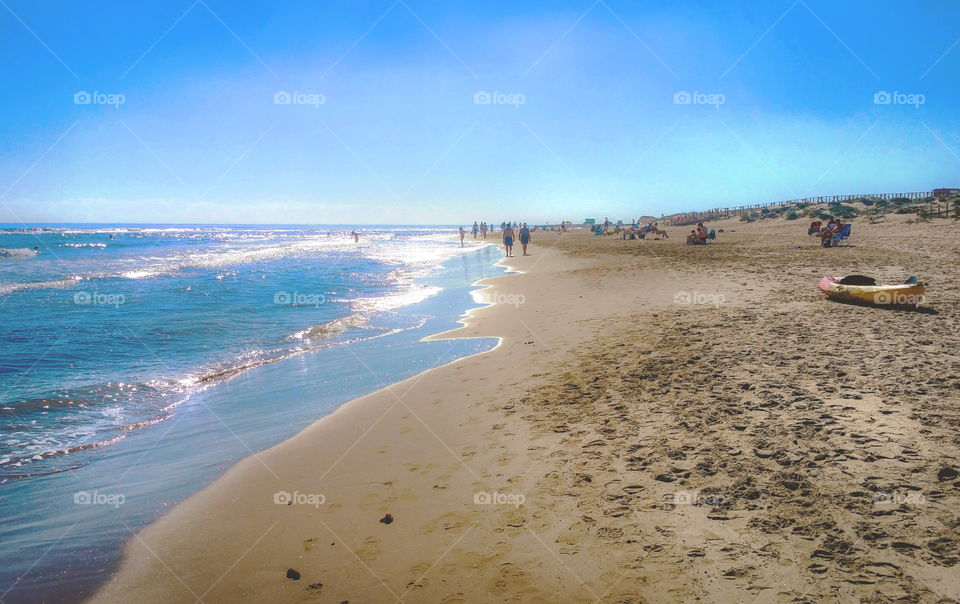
x,y
134,372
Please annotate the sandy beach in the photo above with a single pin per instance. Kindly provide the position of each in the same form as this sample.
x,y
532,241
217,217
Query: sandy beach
x,y
660,423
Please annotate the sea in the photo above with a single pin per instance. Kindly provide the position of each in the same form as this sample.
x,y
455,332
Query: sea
x,y
139,362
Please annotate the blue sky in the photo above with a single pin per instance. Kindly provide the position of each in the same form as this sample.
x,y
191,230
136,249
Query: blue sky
x,y
385,127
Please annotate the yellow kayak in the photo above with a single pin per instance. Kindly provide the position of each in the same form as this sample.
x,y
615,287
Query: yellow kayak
x,y
865,290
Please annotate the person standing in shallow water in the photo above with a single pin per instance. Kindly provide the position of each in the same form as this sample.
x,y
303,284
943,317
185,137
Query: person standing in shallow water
x,y
356,236
462,235
508,240
525,238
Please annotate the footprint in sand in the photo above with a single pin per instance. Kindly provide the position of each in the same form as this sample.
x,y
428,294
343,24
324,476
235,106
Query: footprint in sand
x,y
369,550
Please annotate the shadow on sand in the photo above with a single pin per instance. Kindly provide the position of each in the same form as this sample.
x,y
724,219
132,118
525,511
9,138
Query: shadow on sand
x,y
923,310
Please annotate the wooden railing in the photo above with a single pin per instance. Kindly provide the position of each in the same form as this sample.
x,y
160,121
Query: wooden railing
x,y
939,209
692,217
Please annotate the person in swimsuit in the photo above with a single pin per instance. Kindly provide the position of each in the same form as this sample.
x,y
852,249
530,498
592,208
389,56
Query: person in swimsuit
x,y
462,234
508,240
525,238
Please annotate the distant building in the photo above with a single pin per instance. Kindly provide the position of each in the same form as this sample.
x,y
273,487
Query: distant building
x,y
945,192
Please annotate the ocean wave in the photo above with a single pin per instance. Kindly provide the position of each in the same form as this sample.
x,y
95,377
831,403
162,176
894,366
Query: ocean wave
x,y
15,462
420,253
330,328
141,274
41,445
413,294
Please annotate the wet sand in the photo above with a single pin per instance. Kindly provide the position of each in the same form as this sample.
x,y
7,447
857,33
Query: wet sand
x,y
660,423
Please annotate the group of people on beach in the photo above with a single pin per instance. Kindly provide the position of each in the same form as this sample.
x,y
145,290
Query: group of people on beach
x,y
509,231
479,229
523,232
701,235
636,230
827,232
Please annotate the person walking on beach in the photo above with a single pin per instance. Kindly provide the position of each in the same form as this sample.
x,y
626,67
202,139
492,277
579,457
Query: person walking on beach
x,y
525,238
476,229
483,229
508,239
463,234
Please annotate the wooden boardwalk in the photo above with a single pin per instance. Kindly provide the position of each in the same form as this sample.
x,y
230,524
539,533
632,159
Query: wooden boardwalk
x,y
692,217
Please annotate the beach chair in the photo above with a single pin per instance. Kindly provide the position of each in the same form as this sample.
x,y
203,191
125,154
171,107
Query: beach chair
x,y
842,236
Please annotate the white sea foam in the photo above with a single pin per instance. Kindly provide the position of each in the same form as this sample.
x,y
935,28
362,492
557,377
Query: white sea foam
x,y
18,252
6,288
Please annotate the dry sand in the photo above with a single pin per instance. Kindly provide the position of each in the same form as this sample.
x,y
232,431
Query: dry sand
x,y
661,423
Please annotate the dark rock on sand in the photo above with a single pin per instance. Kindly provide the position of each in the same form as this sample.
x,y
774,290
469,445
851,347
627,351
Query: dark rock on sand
x,y
946,473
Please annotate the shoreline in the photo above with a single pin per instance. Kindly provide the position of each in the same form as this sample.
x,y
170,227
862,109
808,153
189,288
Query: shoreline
x,y
142,574
655,424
